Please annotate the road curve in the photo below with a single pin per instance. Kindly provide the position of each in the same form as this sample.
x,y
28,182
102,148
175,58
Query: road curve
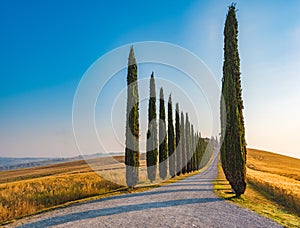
x,y
187,203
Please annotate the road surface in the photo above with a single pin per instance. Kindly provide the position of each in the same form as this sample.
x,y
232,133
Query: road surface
x,y
187,203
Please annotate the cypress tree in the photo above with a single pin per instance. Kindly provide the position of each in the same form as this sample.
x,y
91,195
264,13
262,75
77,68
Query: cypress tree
x,y
203,145
204,153
132,154
197,142
197,152
178,147
152,152
193,148
171,139
163,147
187,143
182,143
233,149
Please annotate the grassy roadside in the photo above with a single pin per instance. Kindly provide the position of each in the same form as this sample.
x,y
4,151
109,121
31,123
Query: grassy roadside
x,y
256,200
117,190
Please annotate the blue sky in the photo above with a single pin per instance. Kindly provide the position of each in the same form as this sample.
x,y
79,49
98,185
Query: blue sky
x,y
47,46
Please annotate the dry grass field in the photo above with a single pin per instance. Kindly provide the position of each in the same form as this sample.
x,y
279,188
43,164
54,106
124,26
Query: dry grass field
x,y
273,187
29,196
62,168
276,174
273,163
32,190
27,191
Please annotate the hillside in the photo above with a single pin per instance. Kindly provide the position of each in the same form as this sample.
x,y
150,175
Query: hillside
x,y
9,163
70,167
273,163
277,175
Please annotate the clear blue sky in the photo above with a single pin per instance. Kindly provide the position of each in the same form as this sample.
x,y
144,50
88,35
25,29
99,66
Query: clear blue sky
x,y
46,46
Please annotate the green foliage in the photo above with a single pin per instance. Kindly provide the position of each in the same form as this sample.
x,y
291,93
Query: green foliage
x,y
208,152
233,149
132,154
201,150
198,151
193,159
163,147
178,149
171,139
152,152
182,143
188,143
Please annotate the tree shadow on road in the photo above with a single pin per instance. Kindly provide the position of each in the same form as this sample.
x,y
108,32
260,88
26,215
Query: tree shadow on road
x,y
197,180
117,210
148,193
188,184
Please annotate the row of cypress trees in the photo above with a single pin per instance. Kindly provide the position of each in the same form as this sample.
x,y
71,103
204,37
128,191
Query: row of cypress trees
x,y
184,147
180,148
177,150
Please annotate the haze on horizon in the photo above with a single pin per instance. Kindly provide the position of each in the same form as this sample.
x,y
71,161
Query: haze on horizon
x,y
46,47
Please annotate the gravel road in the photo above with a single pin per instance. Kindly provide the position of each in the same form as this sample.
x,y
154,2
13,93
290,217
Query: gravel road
x,y
188,203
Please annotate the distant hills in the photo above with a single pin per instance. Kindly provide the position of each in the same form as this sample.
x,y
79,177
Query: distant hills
x,y
9,163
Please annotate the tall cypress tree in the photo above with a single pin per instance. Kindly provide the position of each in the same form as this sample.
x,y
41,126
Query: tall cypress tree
x,y
132,154
182,143
233,149
152,152
163,147
197,144
193,148
178,147
197,151
203,145
187,143
171,139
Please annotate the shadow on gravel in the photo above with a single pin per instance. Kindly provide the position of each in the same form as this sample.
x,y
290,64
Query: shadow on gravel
x,y
182,185
197,180
203,180
117,210
224,189
148,193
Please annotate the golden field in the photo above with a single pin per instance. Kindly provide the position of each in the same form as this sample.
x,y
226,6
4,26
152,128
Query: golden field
x,y
273,187
32,190
27,191
273,163
276,174
29,196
